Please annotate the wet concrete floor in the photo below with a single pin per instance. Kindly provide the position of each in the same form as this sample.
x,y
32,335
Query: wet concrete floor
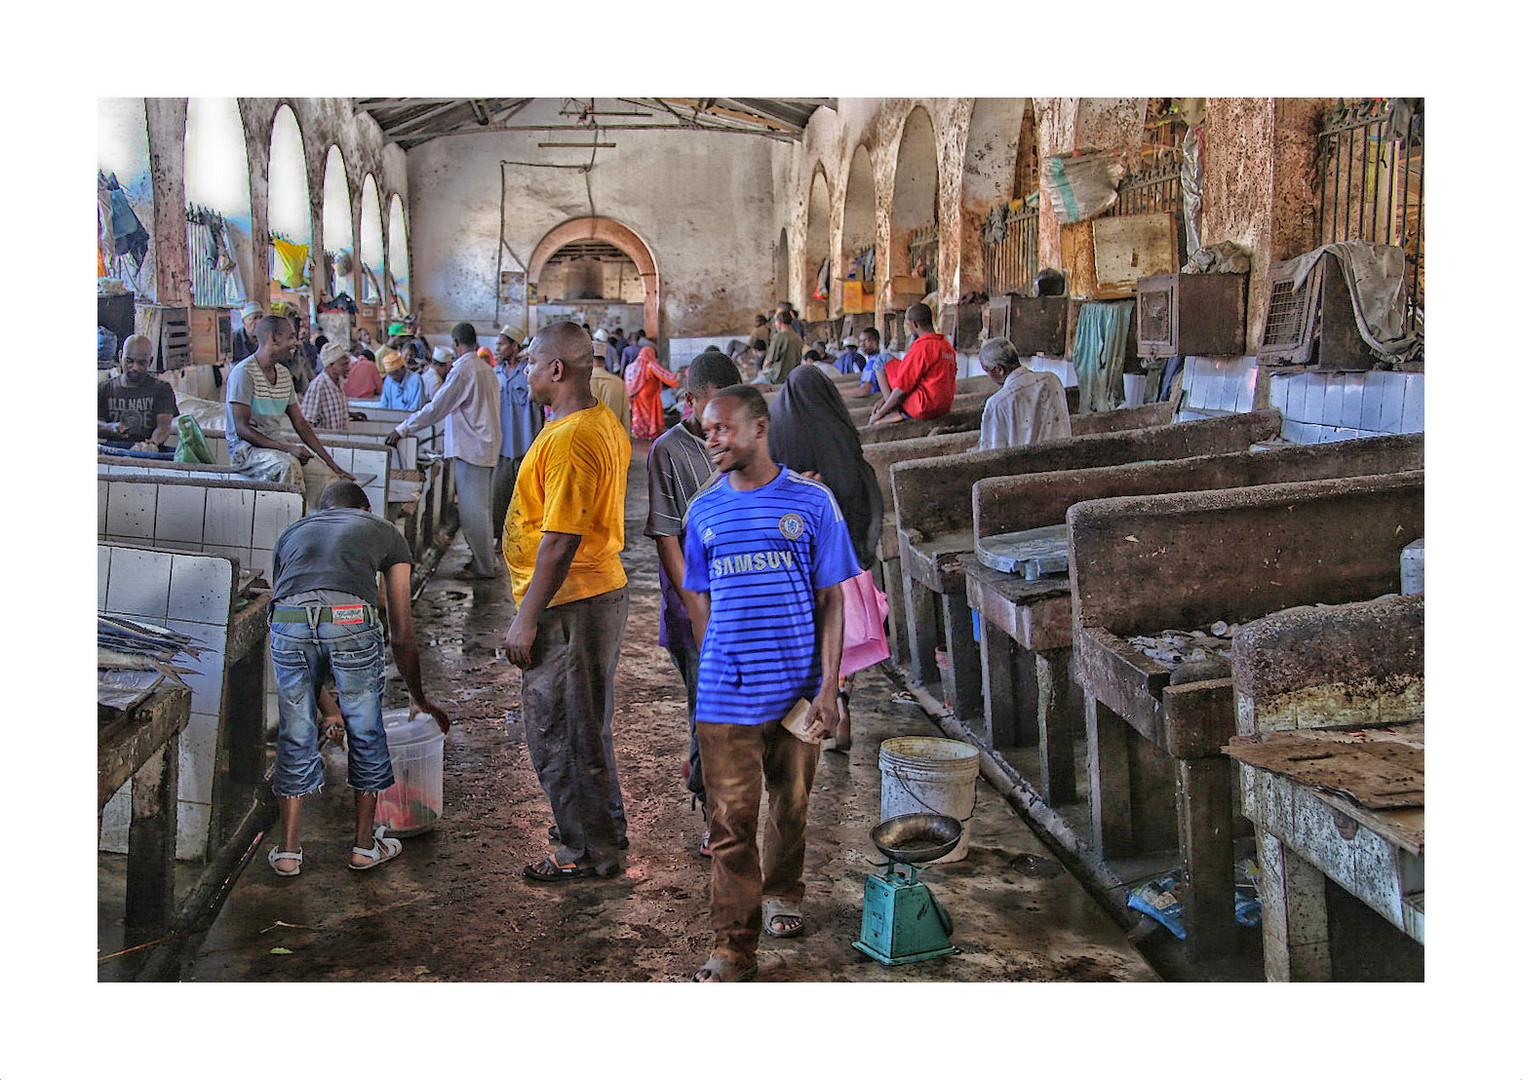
x,y
454,906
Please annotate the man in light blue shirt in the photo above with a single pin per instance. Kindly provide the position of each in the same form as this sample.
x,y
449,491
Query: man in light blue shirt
x,y
521,421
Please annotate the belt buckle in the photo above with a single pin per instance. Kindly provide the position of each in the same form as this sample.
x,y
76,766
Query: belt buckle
x,y
348,614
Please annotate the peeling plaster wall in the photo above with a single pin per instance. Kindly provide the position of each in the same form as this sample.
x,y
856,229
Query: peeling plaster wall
x,y
705,208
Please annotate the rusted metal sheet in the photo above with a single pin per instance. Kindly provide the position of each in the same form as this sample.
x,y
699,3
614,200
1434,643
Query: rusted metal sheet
x,y
1132,247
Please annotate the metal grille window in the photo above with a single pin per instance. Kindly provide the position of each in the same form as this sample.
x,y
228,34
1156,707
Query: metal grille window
x,y
212,281
1369,156
1153,187
924,250
1010,249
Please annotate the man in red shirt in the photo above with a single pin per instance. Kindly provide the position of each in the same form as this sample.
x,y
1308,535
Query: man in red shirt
x,y
925,380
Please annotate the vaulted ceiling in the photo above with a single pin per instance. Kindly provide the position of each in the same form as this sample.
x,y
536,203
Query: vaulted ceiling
x,y
412,121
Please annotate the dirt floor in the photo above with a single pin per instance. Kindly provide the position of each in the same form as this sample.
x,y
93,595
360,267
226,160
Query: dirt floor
x,y
455,907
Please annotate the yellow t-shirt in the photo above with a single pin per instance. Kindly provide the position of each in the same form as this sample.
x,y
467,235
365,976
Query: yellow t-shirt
x,y
572,480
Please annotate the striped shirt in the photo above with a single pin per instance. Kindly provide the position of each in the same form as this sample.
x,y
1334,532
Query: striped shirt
x,y
761,555
324,404
247,385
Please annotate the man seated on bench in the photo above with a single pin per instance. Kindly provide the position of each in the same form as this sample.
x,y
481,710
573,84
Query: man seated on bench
x,y
134,409
1029,406
925,380
259,392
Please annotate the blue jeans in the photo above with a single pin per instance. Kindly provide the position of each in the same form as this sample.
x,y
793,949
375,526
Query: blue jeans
x,y
303,656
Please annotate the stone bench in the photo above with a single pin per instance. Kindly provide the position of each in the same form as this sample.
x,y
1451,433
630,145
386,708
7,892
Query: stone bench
x,y
933,503
1307,669
893,448
1157,777
1026,625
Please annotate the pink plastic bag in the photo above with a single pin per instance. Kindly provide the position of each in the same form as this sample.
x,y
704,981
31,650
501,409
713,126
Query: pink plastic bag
x,y
866,606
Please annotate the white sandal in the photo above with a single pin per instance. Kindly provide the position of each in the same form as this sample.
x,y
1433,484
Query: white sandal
x,y
276,855
383,850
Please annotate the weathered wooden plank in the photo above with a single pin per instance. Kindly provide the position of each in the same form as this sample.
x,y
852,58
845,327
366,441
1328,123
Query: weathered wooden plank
x,y
1198,718
1109,780
1204,823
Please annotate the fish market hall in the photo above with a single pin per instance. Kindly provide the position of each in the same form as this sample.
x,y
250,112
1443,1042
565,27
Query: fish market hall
x,y
989,551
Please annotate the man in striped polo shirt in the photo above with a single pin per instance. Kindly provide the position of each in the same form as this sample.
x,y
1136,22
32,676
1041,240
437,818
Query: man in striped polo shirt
x,y
766,551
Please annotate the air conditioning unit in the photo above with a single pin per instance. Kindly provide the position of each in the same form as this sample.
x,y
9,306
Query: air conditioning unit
x,y
1191,315
1315,324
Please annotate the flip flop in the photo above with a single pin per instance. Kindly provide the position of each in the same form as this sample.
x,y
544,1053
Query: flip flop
x,y
383,850
722,968
775,907
276,855
547,869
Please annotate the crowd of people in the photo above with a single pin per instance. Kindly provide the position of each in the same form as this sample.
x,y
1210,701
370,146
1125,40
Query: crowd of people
x,y
761,507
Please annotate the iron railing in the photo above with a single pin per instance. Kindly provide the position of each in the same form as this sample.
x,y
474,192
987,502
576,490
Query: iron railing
x,y
1154,188
212,281
1010,250
1369,164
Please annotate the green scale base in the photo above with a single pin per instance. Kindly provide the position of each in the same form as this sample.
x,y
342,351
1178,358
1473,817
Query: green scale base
x,y
902,921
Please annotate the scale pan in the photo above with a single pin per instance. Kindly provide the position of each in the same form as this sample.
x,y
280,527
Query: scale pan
x,y
917,838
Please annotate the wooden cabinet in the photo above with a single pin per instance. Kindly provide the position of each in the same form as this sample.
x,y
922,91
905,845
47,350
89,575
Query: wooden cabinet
x,y
211,335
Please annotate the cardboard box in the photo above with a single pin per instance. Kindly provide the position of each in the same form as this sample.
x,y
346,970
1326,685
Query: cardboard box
x,y
857,297
906,291
211,336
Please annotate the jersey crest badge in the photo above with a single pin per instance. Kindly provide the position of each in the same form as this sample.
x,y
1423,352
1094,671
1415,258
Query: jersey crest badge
x,y
791,526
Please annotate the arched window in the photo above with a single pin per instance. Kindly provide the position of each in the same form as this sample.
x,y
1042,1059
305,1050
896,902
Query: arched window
x,y
290,213
219,219
338,225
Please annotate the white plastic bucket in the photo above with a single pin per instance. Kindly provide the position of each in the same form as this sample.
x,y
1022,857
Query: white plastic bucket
x,y
415,802
921,775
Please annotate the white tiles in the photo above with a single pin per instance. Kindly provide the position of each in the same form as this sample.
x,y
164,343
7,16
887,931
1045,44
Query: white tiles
x,y
181,513
129,509
272,513
229,517
139,583
194,827
102,573
1392,400
198,748
200,589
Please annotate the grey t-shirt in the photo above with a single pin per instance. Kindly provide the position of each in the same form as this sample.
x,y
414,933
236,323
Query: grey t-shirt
x,y
339,549
679,468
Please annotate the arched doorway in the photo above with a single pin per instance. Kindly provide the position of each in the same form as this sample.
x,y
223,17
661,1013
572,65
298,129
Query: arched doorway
x,y
587,240
858,226
914,216
290,213
816,246
338,225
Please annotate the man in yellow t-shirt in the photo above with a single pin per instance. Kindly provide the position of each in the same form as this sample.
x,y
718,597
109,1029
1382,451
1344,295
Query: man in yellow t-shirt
x,y
564,532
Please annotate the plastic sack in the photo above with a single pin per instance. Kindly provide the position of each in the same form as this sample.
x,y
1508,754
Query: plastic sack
x,y
866,606
1081,185
192,446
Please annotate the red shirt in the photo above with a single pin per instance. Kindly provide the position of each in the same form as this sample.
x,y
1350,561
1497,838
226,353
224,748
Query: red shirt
x,y
365,379
928,376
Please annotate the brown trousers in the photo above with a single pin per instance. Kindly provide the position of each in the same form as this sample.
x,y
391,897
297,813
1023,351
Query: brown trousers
x,y
737,760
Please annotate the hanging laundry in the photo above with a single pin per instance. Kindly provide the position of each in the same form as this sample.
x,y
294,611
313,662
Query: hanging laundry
x,y
293,261
822,281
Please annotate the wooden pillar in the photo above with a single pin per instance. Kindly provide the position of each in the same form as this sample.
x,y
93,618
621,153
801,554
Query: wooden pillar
x,y
919,622
166,165
1204,829
1054,726
898,632
995,649
150,842
1109,779
964,675
1296,940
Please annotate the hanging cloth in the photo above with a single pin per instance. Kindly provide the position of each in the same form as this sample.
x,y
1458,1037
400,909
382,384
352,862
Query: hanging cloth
x,y
293,261
822,281
1099,354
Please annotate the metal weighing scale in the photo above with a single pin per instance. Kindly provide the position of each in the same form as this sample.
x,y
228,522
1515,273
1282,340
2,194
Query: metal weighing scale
x,y
901,920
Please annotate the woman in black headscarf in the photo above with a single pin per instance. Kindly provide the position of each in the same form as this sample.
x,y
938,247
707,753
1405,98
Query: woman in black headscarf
x,y
811,432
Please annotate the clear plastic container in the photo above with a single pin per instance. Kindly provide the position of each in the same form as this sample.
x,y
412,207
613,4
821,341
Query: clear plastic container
x,y
415,802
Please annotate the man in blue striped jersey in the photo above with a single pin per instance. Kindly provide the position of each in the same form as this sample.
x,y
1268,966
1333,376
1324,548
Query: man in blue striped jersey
x,y
766,551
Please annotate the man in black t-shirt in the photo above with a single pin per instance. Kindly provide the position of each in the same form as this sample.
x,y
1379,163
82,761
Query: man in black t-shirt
x,y
323,620
133,408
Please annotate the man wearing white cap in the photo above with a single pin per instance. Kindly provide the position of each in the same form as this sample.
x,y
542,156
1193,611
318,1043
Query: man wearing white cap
x,y
245,340
521,421
850,360
435,371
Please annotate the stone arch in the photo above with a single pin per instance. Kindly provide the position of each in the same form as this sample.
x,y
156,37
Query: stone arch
x,y
858,224
338,220
782,268
816,236
371,247
915,201
398,266
611,232
990,176
217,177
